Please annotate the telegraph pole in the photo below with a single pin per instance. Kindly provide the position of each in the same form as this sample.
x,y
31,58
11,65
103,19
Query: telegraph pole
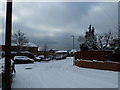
x,y
119,37
7,79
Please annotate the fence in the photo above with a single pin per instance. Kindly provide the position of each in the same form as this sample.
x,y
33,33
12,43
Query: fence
x,y
100,63
93,55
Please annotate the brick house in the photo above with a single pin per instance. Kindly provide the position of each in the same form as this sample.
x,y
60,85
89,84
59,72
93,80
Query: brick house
x,y
47,53
14,48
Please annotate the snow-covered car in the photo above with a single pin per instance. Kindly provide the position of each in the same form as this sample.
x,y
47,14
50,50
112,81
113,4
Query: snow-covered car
x,y
51,57
22,60
39,58
60,56
46,59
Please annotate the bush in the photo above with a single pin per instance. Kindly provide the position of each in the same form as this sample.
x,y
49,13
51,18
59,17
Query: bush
x,y
84,47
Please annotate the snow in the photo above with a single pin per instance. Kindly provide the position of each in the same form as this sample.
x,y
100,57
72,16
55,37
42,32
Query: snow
x,y
2,63
61,51
73,50
22,58
62,74
29,44
25,52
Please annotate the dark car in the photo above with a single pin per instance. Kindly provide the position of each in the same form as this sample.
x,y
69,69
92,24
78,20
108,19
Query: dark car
x,y
47,58
39,58
22,60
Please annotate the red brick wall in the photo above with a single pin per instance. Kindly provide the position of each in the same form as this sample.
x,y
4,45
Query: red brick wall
x,y
98,65
0,48
93,55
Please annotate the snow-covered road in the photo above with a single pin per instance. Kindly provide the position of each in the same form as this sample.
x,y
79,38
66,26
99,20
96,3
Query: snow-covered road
x,y
62,74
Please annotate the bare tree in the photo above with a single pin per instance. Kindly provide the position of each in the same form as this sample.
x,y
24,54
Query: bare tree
x,y
95,41
104,40
115,41
19,39
38,44
81,39
45,49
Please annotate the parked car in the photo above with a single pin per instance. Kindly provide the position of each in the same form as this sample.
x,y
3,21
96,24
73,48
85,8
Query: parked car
x,y
46,59
39,58
50,57
60,56
22,60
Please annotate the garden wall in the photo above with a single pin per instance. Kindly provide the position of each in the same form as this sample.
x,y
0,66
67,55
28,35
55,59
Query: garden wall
x,y
97,60
98,65
93,55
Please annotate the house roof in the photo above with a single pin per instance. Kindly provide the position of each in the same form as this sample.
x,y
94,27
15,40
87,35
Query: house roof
x,y
73,50
61,51
29,44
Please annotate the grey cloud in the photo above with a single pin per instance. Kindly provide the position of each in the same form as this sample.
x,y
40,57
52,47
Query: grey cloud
x,y
61,41
54,23
104,19
57,14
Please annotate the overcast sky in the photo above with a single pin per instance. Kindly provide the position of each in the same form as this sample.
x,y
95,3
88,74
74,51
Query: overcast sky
x,y
53,23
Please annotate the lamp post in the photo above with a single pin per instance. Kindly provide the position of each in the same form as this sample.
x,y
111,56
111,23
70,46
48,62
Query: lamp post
x,y
73,50
7,78
73,42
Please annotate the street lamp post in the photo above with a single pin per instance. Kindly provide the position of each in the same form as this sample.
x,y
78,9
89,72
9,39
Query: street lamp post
x,y
73,42
73,50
